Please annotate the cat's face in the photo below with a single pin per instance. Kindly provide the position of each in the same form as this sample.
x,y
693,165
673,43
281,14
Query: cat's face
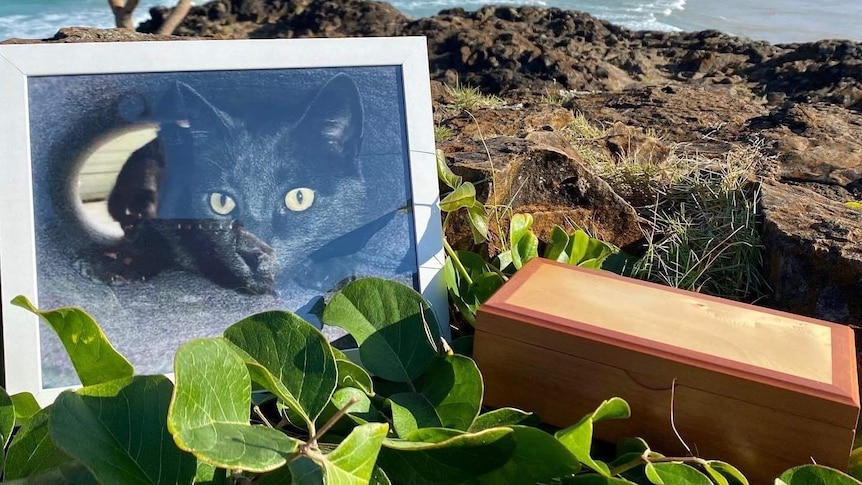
x,y
294,185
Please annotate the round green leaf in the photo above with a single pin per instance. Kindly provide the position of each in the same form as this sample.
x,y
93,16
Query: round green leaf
x,y
117,430
25,407
209,412
463,196
538,458
816,475
289,357
352,375
503,417
444,172
448,395
94,358
7,420
724,473
596,480
32,450
394,326
352,462
449,461
672,473
478,222
579,437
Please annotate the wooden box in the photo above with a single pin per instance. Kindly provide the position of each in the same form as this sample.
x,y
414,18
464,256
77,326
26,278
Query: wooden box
x,y
761,389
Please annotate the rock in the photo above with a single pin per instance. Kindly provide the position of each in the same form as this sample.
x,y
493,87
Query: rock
x,y
818,143
542,175
80,34
813,249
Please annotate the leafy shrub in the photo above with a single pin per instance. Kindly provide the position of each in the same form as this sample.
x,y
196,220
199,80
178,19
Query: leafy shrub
x,y
271,402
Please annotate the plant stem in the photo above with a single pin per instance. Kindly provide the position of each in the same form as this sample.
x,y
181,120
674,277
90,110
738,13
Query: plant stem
x,y
647,457
457,262
260,415
329,424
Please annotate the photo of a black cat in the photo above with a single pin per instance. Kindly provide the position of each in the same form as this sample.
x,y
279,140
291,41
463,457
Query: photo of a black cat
x,y
261,190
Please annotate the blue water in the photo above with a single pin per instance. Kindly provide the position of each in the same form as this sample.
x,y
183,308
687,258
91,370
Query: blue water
x,y
772,20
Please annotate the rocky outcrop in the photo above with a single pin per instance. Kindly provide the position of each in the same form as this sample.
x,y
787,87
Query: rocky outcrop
x,y
506,49
813,249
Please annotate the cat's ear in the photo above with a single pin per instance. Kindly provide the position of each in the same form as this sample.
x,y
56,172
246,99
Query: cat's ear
x,y
203,118
334,118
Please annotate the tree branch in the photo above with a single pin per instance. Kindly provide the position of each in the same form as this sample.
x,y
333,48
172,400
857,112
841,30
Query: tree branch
x,y
176,17
123,10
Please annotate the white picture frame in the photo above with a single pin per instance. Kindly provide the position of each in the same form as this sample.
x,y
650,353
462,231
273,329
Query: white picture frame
x,y
40,107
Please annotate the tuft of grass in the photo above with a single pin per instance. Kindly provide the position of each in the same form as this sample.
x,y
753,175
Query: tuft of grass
x,y
443,133
468,98
701,214
581,129
561,97
703,232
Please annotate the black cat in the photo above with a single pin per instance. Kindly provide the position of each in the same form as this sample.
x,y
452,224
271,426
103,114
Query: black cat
x,y
239,200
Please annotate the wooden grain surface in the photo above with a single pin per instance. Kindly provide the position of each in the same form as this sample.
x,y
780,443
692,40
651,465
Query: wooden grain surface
x,y
681,320
561,388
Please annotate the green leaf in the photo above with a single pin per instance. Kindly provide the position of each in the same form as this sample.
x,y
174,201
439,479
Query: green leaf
x,y
94,358
290,357
596,480
538,457
352,375
854,466
672,473
353,461
394,326
463,196
25,407
579,437
503,417
556,249
463,345
631,445
412,411
478,222
361,411
32,450
70,473
7,421
444,172
524,244
379,477
815,475
304,471
209,412
448,395
117,430
207,474
724,473
579,245
451,460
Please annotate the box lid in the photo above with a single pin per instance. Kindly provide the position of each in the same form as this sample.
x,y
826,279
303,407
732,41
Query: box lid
x,y
657,334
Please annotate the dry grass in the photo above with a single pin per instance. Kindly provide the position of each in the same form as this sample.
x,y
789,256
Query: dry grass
x,y
468,98
701,212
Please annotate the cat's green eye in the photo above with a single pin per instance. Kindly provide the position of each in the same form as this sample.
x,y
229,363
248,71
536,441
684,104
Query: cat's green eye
x,y
299,199
222,204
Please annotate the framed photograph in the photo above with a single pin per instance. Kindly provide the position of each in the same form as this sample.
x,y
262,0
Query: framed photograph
x,y
172,188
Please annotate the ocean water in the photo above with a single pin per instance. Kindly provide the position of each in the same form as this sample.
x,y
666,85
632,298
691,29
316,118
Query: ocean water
x,y
773,20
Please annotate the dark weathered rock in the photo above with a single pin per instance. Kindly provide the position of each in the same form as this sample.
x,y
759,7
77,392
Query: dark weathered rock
x,y
813,249
80,34
541,175
818,143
